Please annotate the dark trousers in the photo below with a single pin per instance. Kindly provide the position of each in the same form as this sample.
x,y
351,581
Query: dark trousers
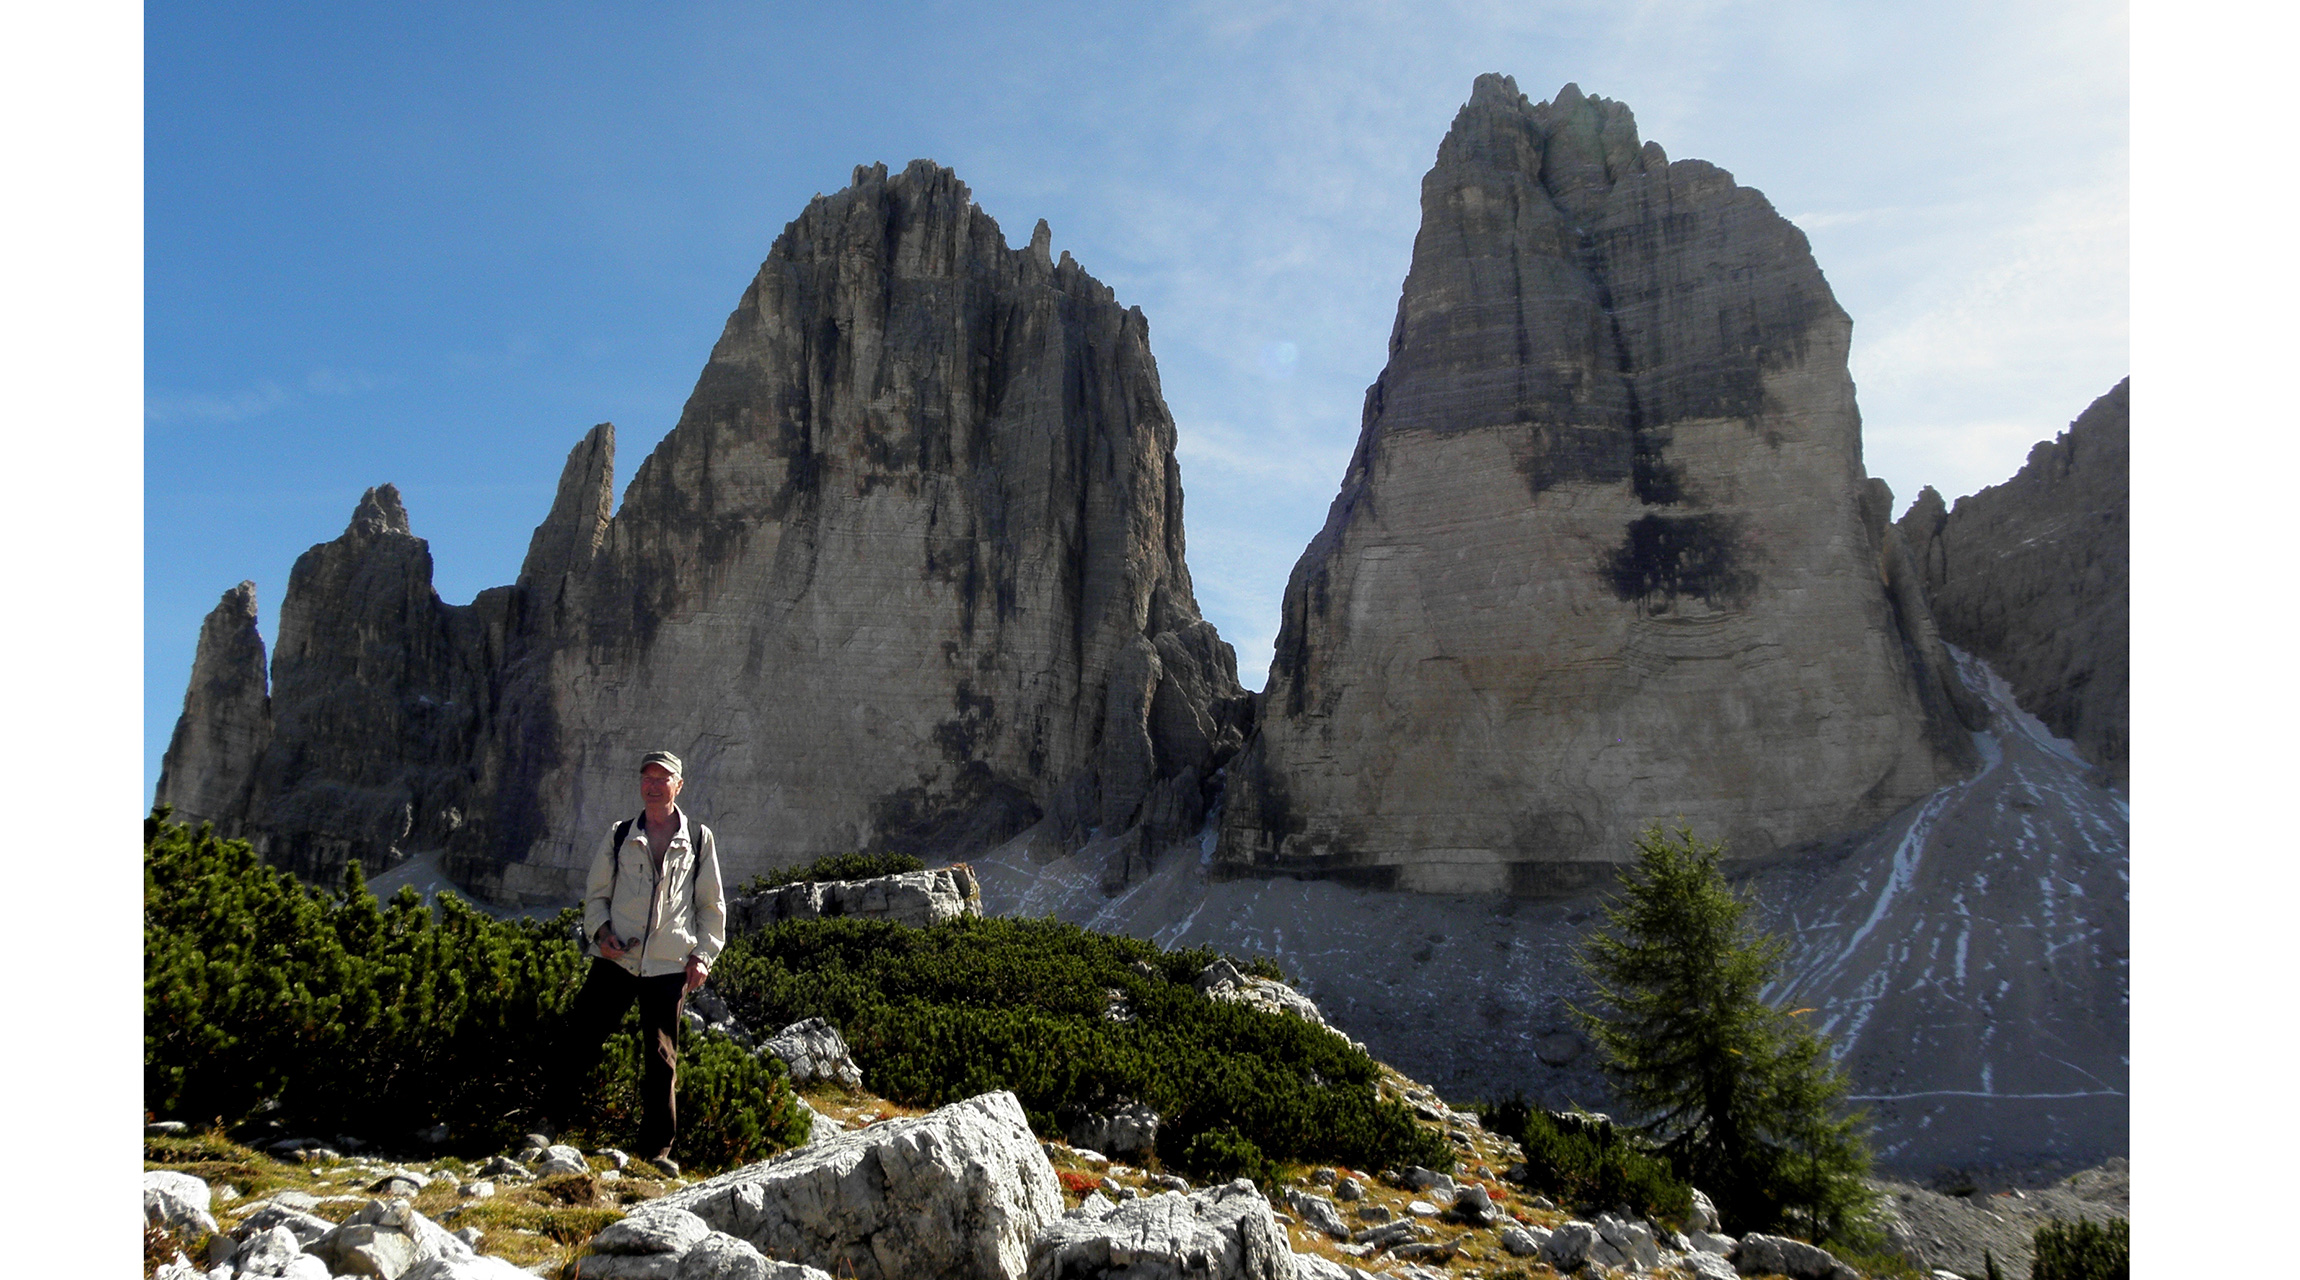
x,y
598,1009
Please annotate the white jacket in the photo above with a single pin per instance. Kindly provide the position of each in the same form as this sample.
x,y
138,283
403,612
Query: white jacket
x,y
663,917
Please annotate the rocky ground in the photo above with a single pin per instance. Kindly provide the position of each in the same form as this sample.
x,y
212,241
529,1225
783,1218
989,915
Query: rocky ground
x,y
885,1190
1951,1231
333,1209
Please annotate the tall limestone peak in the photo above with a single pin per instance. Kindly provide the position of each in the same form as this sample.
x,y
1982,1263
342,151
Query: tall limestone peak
x,y
2034,575
1601,555
907,574
226,723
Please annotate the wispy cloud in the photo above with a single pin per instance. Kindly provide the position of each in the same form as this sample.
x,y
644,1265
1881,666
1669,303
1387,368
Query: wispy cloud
x,y
339,382
170,408
515,351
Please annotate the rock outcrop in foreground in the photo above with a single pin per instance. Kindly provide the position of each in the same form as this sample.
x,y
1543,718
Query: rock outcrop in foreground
x,y
2034,575
1605,553
907,575
962,1192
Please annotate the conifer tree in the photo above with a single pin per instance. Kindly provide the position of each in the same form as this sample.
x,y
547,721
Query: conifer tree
x,y
1741,1097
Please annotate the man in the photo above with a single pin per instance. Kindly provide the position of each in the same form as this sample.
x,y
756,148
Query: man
x,y
656,912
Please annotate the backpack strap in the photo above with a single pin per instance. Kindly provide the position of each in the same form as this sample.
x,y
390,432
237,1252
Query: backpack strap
x,y
615,866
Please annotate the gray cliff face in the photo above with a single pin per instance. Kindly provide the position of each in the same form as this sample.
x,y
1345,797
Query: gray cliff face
x,y
907,574
380,701
1605,552
2034,575
226,723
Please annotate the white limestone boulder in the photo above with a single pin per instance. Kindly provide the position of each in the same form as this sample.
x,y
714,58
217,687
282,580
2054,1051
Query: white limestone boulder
x,y
814,1050
958,1193
1763,1255
387,1240
1220,1233
1319,1212
177,1202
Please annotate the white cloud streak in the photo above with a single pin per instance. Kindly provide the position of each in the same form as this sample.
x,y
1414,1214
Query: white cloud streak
x,y
171,408
176,408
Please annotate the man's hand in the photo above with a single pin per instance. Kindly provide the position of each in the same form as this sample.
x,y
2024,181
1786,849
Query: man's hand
x,y
696,972
610,946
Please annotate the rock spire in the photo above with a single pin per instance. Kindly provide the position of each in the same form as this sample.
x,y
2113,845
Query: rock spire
x,y
226,723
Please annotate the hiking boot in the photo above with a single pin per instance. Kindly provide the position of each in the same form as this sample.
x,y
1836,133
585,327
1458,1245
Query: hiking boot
x,y
665,1163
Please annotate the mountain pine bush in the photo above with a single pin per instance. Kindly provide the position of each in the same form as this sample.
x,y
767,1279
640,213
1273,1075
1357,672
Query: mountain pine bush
x,y
2083,1250
382,1018
1073,1021
1590,1167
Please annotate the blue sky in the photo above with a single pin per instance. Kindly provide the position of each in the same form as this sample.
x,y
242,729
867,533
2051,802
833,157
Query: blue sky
x,y
414,244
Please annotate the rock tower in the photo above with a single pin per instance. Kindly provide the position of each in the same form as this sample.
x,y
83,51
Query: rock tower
x,y
1605,553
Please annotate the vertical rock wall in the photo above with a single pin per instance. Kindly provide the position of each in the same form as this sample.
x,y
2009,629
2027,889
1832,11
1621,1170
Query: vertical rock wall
x,y
1605,553
2034,575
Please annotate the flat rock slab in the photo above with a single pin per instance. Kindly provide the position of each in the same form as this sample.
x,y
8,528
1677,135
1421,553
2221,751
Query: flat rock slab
x,y
958,1193
1763,1255
1220,1233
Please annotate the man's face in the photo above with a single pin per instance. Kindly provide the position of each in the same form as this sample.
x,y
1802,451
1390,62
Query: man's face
x,y
657,787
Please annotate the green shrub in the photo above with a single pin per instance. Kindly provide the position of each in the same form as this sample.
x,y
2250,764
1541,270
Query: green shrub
x,y
735,1106
838,866
380,1019
1222,1153
353,1015
2083,1250
1590,1166
936,1015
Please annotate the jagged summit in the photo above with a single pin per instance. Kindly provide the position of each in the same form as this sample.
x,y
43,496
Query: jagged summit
x,y
1578,145
379,512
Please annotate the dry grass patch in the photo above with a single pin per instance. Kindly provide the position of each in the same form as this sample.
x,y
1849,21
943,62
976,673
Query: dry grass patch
x,y
530,1226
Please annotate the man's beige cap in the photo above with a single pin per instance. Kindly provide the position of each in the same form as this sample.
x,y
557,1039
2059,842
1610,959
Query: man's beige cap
x,y
665,759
